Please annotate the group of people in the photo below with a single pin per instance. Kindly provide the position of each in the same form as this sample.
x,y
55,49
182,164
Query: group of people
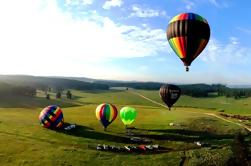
x,y
128,148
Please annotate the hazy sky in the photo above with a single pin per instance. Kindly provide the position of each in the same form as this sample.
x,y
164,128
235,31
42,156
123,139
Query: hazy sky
x,y
122,39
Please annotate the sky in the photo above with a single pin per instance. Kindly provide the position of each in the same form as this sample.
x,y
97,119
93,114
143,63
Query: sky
x,y
122,40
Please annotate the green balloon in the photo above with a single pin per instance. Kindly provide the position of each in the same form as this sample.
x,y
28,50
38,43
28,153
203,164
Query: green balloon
x,y
128,115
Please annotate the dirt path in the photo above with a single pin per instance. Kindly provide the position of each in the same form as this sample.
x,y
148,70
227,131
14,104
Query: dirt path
x,y
227,120
205,113
155,102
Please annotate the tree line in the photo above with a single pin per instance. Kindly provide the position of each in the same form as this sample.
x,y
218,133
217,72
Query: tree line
x,y
214,90
7,90
194,90
44,83
10,90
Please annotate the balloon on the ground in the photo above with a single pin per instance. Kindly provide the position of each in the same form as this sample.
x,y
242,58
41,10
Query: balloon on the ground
x,y
128,115
51,117
106,114
169,94
188,34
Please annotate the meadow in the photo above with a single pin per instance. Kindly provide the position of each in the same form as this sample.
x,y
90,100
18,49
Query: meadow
x,y
24,142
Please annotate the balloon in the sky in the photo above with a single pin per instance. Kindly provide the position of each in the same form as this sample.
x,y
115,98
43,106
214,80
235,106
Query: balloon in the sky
x,y
128,115
51,117
106,114
188,34
169,94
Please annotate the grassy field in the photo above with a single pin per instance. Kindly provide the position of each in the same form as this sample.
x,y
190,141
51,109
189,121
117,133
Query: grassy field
x,y
24,142
229,105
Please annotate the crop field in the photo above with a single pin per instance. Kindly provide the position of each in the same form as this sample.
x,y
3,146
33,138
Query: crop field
x,y
24,142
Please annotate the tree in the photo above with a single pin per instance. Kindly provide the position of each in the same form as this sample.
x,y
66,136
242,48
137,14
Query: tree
x,y
58,95
48,96
59,89
240,151
24,91
43,88
68,94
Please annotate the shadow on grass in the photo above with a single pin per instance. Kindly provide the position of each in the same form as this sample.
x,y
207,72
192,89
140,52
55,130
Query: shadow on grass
x,y
77,97
183,135
167,134
90,133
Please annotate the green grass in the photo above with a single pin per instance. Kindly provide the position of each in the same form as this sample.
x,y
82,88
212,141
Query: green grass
x,y
112,96
24,142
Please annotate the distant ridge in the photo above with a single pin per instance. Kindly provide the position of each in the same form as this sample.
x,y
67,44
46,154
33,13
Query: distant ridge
x,y
239,86
84,83
43,83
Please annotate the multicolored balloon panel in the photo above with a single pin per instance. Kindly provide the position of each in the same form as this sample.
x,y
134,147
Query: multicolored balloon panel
x,y
188,34
128,115
51,117
106,113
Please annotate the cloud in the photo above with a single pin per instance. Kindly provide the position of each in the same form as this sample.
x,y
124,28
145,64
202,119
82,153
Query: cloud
x,y
143,68
225,54
37,37
219,4
138,11
244,30
112,3
87,2
189,4
214,2
234,40
78,2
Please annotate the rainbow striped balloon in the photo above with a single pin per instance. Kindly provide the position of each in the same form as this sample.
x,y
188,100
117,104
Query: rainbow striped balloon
x,y
188,34
106,114
51,117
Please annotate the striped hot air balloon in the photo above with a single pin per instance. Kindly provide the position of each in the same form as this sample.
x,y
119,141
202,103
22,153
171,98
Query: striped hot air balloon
x,y
188,34
106,114
51,117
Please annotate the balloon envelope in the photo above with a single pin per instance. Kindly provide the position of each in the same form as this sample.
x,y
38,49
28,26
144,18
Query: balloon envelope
x,y
128,115
51,117
106,113
169,94
188,34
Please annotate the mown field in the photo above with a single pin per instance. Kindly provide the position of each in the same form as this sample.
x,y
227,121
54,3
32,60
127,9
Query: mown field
x,y
24,142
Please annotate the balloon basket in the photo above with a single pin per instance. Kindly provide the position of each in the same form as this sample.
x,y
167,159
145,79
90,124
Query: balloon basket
x,y
129,131
187,68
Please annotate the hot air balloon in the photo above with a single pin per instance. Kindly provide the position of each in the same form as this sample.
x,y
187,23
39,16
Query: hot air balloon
x,y
51,117
169,94
128,115
106,114
188,34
